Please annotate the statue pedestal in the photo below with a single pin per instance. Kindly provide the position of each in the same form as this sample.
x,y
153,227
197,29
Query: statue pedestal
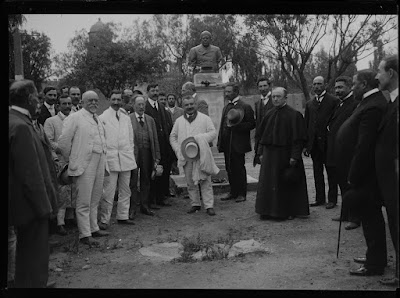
x,y
213,94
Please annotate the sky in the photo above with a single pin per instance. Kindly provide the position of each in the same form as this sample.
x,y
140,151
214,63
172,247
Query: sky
x,y
60,28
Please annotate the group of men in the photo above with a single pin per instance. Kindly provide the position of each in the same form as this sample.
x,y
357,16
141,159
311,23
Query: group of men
x,y
139,139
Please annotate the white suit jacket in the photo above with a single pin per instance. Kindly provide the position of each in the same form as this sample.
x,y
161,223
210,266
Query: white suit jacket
x,y
53,129
120,151
76,141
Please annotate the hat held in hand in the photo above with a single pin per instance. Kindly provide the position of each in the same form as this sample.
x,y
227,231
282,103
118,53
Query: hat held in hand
x,y
190,149
234,117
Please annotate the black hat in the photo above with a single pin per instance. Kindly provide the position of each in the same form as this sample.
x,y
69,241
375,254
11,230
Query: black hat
x,y
234,117
63,177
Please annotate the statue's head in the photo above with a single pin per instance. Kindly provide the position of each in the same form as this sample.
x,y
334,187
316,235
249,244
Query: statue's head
x,y
205,37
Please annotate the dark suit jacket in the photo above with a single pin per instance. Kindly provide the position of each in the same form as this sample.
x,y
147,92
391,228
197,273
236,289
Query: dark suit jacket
x,y
340,114
260,111
316,117
240,132
163,128
154,145
387,155
44,114
31,192
356,140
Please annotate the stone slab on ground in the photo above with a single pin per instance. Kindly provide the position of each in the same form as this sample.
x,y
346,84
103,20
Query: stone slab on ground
x,y
162,251
246,247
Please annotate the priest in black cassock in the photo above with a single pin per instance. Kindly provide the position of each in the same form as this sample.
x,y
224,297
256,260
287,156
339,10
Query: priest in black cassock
x,y
282,187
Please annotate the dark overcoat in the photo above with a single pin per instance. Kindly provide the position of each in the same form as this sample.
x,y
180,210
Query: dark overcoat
x,y
282,136
240,133
32,193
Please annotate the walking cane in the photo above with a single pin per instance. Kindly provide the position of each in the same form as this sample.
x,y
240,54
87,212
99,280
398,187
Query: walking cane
x,y
340,225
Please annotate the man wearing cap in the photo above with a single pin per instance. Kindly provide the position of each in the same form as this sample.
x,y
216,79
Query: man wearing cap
x,y
234,141
83,144
195,156
205,56
121,161
283,191
53,129
261,107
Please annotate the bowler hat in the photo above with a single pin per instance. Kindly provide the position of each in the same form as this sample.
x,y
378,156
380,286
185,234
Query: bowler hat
x,y
234,117
63,177
354,197
190,149
291,175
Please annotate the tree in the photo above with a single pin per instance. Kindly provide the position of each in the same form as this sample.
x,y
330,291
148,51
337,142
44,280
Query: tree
x,y
290,39
352,36
106,65
36,57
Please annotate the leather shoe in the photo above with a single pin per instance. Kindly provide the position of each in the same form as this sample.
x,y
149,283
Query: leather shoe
x,y
154,206
316,204
362,271
337,219
228,197
103,226
351,226
125,222
360,260
100,234
391,281
194,209
240,199
210,211
330,205
61,230
88,241
147,211
265,217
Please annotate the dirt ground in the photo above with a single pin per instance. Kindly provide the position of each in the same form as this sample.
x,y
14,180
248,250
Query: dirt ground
x,y
302,251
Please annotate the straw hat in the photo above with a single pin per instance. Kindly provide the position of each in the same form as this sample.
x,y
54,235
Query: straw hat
x,y
190,149
234,117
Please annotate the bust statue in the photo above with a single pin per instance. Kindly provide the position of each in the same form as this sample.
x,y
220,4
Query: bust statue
x,y
205,56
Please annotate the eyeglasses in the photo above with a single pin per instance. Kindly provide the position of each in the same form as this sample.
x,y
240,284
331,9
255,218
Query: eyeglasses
x,y
92,100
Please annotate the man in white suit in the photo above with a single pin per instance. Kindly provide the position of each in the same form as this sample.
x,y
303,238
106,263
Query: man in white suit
x,y
53,129
83,143
121,161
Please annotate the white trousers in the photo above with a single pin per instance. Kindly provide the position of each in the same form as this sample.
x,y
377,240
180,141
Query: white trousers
x,y
124,195
90,188
207,193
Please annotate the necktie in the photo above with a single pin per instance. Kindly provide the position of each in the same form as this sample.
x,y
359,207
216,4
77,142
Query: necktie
x,y
155,106
95,119
116,115
141,121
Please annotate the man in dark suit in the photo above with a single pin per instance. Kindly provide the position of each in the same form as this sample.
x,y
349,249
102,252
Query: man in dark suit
x,y
32,195
235,142
387,154
49,108
342,111
163,125
147,156
317,113
190,88
261,108
355,152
